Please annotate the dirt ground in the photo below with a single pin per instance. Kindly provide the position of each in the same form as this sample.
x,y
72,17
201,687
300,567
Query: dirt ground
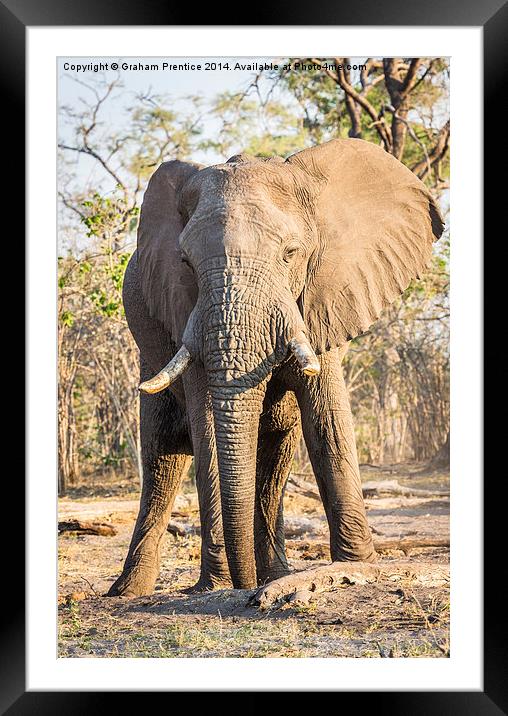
x,y
395,616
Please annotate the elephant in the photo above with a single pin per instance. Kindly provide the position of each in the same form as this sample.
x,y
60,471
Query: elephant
x,y
249,281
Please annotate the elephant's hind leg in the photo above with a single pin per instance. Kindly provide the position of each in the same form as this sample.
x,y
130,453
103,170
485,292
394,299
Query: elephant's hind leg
x,y
278,439
165,449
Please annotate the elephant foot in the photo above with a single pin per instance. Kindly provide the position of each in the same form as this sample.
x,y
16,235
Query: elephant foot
x,y
208,583
134,582
363,555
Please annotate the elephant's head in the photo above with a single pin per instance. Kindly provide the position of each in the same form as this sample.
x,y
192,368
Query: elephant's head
x,y
252,261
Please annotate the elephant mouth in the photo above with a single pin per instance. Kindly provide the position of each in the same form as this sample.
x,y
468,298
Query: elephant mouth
x,y
298,346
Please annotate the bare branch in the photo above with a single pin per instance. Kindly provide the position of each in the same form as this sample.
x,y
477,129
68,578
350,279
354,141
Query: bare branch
x,y
92,153
422,168
378,122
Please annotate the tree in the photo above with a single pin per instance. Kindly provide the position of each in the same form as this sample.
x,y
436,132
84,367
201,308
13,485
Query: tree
x,y
399,102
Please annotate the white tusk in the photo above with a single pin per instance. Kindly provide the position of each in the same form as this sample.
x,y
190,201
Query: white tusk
x,y
169,373
302,351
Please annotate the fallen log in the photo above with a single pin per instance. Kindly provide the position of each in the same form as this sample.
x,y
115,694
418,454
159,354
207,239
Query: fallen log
x,y
330,576
87,528
298,485
392,487
321,550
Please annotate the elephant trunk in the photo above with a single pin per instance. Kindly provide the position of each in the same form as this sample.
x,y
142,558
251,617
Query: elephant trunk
x,y
236,419
241,344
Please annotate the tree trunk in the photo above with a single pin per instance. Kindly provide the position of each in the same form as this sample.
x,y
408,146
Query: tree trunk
x,y
67,454
441,459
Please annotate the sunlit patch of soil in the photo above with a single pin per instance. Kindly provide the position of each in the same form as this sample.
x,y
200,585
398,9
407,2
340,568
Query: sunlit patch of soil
x,y
383,619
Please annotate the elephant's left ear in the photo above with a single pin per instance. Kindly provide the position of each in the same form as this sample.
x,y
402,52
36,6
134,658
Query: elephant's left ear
x,y
376,224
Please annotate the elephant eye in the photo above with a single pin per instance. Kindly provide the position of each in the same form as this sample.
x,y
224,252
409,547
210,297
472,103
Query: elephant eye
x,y
186,261
290,252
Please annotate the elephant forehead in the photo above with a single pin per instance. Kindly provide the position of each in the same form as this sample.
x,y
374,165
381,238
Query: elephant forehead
x,y
229,206
239,223
256,180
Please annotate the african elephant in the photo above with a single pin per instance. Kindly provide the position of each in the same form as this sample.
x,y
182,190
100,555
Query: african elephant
x,y
251,277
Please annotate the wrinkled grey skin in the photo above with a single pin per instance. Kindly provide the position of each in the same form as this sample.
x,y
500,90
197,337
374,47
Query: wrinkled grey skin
x,y
270,250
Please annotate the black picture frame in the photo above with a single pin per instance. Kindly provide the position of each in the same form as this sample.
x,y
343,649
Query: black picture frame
x,y
15,17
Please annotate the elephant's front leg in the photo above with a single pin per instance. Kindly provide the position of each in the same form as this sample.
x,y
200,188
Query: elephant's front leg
x,y
214,572
165,449
329,435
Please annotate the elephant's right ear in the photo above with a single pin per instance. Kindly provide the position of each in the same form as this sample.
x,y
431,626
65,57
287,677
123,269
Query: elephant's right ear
x,y
168,285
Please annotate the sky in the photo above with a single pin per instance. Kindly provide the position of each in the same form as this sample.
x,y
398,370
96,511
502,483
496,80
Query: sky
x,y
178,84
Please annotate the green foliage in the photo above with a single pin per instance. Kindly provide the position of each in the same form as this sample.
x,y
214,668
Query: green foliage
x,y
316,95
67,318
108,216
117,270
157,132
